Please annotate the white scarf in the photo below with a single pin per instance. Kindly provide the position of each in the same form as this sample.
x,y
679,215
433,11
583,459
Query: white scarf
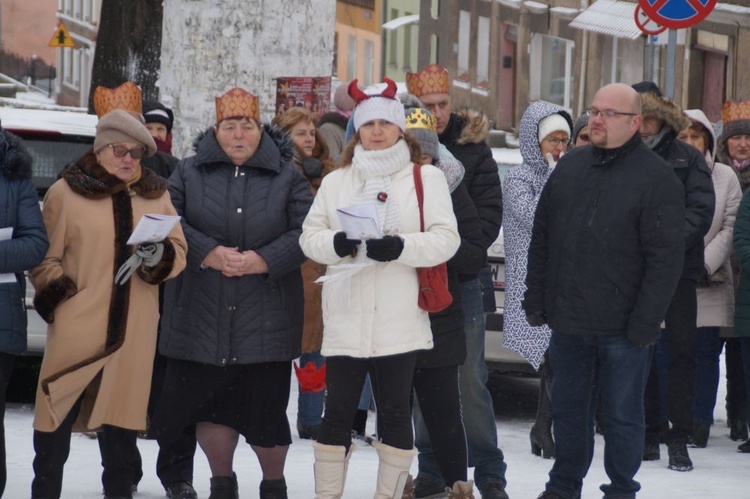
x,y
377,167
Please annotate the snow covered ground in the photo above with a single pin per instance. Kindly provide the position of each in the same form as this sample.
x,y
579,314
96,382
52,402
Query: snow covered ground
x,y
719,469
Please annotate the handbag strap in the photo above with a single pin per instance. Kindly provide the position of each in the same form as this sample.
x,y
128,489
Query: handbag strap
x,y
420,193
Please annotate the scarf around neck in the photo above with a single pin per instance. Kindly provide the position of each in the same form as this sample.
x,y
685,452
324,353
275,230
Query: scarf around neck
x,y
376,169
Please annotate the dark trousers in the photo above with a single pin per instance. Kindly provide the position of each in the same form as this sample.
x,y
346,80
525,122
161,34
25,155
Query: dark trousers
x,y
677,347
345,377
52,450
736,402
616,368
6,368
438,408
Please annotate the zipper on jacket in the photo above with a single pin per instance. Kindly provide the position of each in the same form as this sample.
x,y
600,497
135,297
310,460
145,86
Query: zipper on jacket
x,y
593,211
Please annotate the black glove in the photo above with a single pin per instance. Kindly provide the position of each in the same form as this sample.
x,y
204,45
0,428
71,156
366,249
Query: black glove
x,y
536,319
386,249
312,167
344,246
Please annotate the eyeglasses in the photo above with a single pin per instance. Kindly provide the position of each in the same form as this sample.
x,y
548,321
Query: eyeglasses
x,y
555,141
121,151
607,114
584,136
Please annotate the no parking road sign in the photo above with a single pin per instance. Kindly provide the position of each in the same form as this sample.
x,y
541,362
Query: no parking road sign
x,y
677,14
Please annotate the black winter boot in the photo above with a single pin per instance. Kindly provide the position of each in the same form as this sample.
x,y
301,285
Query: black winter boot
x,y
224,487
273,489
679,460
542,443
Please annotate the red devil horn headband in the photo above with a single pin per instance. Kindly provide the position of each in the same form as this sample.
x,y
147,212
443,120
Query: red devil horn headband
x,y
358,95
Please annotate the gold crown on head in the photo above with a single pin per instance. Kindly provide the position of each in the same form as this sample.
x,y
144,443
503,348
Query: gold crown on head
x,y
420,118
126,97
237,103
431,80
734,111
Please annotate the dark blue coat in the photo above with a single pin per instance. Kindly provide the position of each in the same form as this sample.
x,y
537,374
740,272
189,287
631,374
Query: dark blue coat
x,y
19,208
260,206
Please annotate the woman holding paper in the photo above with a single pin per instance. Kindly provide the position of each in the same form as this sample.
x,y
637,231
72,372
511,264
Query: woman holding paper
x,y
372,319
100,297
232,321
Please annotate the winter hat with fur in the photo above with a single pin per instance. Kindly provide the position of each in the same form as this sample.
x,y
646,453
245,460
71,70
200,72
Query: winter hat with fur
x,y
383,106
121,126
553,123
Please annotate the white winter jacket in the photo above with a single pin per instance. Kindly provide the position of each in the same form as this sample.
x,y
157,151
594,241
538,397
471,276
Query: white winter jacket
x,y
382,316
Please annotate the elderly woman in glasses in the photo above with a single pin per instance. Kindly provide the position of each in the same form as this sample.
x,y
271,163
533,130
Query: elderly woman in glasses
x,y
544,135
100,297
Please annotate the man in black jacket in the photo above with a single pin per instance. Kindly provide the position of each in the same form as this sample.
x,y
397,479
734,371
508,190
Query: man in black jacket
x,y
606,253
675,351
464,135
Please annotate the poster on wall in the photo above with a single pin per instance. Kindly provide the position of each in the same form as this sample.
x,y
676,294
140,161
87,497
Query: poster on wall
x,y
310,92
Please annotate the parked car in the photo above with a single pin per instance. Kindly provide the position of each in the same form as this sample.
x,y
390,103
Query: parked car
x,y
497,357
54,139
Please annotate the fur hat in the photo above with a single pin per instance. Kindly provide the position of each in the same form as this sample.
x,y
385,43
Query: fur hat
x,y
647,86
431,80
664,109
156,112
237,103
422,125
735,117
552,123
384,106
121,126
341,99
127,97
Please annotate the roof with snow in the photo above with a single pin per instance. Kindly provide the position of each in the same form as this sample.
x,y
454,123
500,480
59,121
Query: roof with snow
x,y
609,17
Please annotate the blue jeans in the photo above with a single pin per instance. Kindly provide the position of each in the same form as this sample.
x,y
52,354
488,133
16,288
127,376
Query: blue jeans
x,y
707,353
310,405
476,403
611,366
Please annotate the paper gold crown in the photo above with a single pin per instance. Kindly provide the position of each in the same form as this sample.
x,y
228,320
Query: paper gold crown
x,y
431,80
734,111
237,103
420,118
126,97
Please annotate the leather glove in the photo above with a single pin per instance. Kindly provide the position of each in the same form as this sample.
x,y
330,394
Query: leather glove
x,y
536,319
344,246
386,249
148,254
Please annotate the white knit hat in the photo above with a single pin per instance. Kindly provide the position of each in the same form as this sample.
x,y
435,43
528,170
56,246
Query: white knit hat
x,y
553,123
380,108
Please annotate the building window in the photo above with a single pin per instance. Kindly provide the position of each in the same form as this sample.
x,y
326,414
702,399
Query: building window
x,y
351,58
434,45
369,62
464,31
622,60
393,43
365,4
87,10
76,77
67,64
77,9
435,8
483,52
408,46
551,69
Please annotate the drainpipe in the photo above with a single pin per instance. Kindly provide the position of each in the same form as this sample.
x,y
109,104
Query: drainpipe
x,y
584,64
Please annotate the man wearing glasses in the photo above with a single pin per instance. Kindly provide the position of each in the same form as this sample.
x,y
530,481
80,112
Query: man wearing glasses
x,y
674,353
605,257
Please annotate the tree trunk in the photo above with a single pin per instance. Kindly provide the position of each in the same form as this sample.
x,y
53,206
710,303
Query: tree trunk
x,y
128,46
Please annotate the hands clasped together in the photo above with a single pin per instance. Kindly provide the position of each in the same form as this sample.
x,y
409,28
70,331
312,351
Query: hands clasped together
x,y
234,263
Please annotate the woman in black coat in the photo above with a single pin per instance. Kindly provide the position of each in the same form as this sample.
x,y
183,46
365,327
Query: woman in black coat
x,y
22,249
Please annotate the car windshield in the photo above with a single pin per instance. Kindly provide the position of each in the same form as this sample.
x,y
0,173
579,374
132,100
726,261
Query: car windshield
x,y
52,152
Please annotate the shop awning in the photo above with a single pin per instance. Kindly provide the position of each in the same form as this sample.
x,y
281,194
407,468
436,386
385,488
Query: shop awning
x,y
609,17
401,21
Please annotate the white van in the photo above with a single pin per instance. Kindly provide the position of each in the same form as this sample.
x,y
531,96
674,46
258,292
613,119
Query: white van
x,y
54,139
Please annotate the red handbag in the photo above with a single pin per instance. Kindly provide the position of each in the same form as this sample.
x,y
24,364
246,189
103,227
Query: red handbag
x,y
434,295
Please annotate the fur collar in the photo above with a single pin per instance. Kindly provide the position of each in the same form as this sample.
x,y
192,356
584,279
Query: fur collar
x,y
474,126
89,179
665,110
15,163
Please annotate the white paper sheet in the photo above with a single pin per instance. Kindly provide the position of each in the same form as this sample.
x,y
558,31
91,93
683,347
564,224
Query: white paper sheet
x,y
152,228
6,233
360,221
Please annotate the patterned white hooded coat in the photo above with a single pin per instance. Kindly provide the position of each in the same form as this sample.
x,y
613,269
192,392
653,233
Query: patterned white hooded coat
x,y
521,190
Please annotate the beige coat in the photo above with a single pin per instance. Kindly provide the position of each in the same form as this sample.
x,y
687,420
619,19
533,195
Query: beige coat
x,y
101,337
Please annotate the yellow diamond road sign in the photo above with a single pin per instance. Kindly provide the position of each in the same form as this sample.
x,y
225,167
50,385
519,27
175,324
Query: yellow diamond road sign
x,y
61,38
